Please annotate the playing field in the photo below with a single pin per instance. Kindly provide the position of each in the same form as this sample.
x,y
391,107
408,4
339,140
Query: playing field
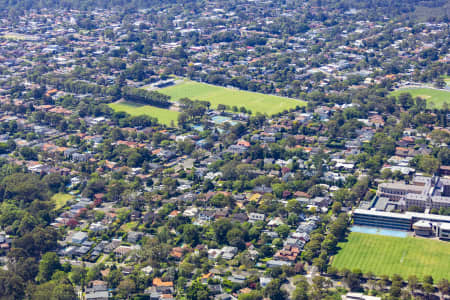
x,y
384,255
256,102
164,116
438,97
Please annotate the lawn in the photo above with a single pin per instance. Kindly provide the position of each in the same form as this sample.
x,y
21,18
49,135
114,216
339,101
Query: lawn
x,y
164,116
256,102
438,97
384,255
61,199
127,227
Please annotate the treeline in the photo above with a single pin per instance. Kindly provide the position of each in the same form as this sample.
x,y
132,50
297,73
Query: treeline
x,y
76,86
114,92
388,7
14,8
145,97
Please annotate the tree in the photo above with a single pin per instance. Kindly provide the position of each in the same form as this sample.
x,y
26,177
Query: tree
x,y
126,288
221,228
395,291
352,280
383,282
428,288
114,278
48,265
146,97
28,153
77,275
396,286
320,263
319,287
406,100
44,291
134,160
329,243
332,271
428,164
315,191
444,287
440,83
283,230
361,187
191,234
21,265
341,195
221,107
413,283
186,269
336,208
273,290
253,295
23,187
197,291
63,291
300,294
12,286
236,238
54,182
265,251
428,279
294,206
301,290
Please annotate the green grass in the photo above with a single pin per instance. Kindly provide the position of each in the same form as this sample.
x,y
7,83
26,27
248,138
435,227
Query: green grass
x,y
256,102
164,116
438,97
61,199
127,227
384,255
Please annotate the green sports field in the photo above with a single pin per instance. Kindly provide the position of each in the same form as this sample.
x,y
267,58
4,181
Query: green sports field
x,y
164,116
384,255
438,97
256,102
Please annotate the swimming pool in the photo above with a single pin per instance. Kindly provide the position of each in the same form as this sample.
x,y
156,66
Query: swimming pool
x,y
379,231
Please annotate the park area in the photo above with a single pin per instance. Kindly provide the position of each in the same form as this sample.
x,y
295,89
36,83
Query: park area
x,y
434,97
385,255
163,115
216,95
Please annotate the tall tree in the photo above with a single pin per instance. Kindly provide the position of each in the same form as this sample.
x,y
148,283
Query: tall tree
x,y
47,266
